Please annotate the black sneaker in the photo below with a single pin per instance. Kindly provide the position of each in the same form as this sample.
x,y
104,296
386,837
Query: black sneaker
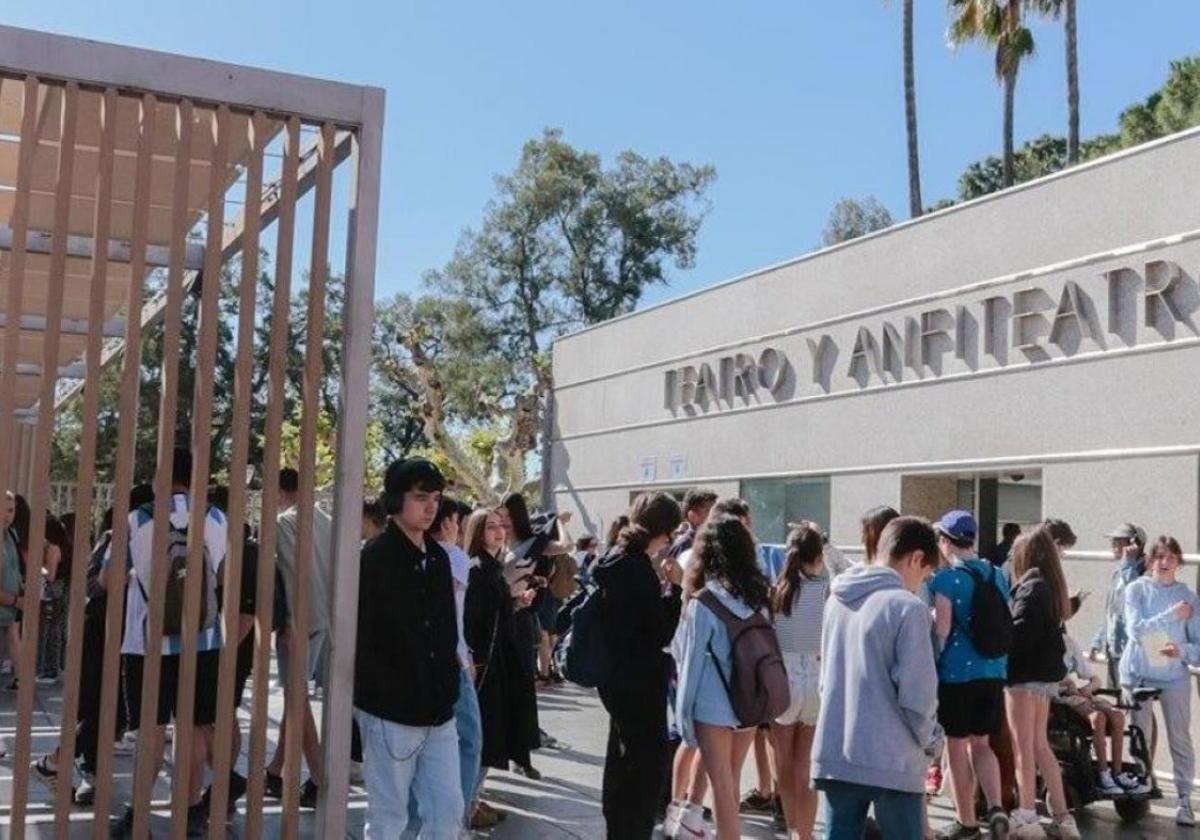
x,y
274,785
237,789
308,794
122,826
998,824
958,831
197,819
756,802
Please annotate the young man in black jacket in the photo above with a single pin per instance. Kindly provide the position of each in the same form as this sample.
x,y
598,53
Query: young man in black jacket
x,y
406,678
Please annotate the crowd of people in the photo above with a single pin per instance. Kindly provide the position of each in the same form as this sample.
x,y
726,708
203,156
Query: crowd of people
x,y
852,683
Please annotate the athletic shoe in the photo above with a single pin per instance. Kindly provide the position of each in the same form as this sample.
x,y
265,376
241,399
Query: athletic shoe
x,y
692,825
1108,786
47,678
273,786
308,794
482,820
778,819
1064,828
1184,815
85,794
44,771
756,802
236,790
197,819
933,780
500,816
958,831
548,741
670,826
998,823
122,826
1131,783
1025,824
528,771
126,744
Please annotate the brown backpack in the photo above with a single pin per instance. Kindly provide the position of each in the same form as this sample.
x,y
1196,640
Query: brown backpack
x,y
758,682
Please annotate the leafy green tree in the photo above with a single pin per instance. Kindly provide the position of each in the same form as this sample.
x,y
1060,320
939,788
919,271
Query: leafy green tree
x,y
565,243
851,218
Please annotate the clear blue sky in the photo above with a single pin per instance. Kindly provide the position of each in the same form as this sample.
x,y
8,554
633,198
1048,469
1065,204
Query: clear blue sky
x,y
796,103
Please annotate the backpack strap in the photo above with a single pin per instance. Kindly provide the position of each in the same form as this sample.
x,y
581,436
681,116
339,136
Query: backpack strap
x,y
726,616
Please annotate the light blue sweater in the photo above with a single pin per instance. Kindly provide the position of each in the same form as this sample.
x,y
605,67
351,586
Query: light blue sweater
x,y
701,696
878,723
1148,609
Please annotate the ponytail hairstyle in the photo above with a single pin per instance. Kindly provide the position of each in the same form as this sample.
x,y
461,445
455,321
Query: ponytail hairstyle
x,y
726,553
805,545
614,531
653,515
873,523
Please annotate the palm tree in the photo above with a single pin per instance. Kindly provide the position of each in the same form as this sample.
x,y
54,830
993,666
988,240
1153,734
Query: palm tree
x,y
998,23
915,206
1066,10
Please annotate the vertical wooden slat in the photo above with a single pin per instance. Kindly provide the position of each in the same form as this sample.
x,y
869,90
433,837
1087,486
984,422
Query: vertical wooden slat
x,y
357,318
314,346
41,458
147,762
86,474
226,716
197,575
127,419
270,497
9,455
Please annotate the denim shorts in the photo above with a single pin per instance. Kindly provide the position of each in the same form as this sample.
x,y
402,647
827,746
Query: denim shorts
x,y
1042,689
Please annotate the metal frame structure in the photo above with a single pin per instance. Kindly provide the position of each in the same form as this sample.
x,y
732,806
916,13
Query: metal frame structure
x,y
138,150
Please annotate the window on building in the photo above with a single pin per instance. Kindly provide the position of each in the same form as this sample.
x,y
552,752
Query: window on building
x,y
774,502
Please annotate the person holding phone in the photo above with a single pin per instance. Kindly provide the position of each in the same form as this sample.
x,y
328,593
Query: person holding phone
x,y
1162,616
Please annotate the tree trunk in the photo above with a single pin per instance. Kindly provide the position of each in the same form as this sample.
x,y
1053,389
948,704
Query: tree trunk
x,y
1010,88
1072,83
915,206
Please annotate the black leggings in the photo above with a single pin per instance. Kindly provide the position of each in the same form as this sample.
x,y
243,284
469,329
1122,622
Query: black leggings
x,y
634,763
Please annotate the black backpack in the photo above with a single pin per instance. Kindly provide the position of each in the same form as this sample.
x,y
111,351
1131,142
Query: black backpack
x,y
582,654
991,626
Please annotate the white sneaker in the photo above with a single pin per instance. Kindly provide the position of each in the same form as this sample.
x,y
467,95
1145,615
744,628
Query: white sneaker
x,y
670,826
1108,785
1131,783
126,744
692,825
1025,824
1184,815
1064,828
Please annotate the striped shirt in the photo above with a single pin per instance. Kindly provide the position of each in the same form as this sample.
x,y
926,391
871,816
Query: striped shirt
x,y
140,562
800,632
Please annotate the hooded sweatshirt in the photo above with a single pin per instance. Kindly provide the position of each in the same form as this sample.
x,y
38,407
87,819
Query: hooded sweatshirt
x,y
878,722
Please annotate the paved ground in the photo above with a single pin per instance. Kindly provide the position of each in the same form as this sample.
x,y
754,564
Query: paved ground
x,y
564,804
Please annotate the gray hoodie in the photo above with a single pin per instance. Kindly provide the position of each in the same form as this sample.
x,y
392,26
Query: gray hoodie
x,y
878,724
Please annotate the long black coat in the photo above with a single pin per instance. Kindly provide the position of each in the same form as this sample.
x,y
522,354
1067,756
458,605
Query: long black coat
x,y
505,684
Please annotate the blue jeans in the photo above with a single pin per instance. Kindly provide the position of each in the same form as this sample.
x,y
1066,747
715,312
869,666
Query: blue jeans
x,y
898,813
469,725
401,760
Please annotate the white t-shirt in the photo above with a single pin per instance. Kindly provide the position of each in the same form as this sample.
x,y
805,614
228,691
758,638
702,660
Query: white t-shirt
x,y
460,570
140,562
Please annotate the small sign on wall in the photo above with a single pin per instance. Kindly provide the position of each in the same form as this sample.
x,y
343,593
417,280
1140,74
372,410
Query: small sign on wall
x,y
647,468
676,467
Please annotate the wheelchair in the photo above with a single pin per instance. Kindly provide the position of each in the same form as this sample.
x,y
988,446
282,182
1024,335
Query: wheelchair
x,y
1071,739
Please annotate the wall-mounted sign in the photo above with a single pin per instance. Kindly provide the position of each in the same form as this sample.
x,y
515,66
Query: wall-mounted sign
x,y
647,468
677,467
721,381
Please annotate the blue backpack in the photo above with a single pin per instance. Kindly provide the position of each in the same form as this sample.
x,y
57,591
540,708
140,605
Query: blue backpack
x,y
582,653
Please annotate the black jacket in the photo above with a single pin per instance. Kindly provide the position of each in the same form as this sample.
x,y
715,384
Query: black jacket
x,y
1038,647
406,664
639,620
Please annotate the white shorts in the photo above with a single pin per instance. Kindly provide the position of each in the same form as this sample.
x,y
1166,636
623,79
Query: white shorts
x,y
804,684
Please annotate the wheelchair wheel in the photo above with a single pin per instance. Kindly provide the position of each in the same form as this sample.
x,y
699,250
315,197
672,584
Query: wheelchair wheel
x,y
1131,810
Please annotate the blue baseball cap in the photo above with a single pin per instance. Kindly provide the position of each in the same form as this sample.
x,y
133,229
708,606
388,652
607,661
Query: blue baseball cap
x,y
958,525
